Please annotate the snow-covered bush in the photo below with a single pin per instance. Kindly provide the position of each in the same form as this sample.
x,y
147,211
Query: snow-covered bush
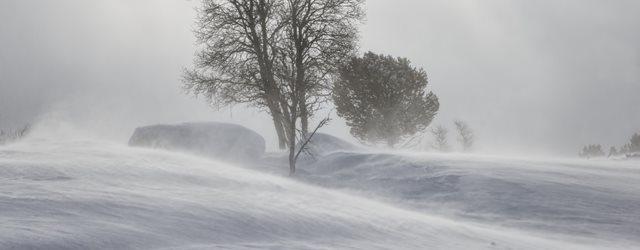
x,y
13,135
323,144
222,141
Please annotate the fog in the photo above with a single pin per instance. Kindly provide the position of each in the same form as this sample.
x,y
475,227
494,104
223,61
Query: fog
x,y
541,77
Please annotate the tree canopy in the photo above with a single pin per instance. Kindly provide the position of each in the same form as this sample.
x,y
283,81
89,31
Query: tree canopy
x,y
278,55
383,99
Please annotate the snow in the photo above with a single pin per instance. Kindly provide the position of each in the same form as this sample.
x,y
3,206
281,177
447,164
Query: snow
x,y
221,141
598,199
633,156
85,193
323,144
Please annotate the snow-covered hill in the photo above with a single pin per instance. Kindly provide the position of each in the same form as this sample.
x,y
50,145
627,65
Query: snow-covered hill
x,y
91,194
597,199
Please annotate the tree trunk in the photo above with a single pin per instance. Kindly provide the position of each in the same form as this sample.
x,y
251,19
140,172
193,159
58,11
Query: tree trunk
x,y
292,147
292,160
304,119
277,123
273,103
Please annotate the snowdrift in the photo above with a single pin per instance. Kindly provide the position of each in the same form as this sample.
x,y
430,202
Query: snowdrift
x,y
323,144
221,141
598,199
86,194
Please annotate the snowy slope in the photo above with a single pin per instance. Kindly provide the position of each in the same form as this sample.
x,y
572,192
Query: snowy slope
x,y
596,199
88,194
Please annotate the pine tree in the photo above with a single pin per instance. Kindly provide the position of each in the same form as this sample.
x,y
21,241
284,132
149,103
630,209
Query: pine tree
x,y
591,151
383,99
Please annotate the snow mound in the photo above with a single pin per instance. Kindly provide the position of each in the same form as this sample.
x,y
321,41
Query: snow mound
x,y
323,144
96,195
222,141
635,156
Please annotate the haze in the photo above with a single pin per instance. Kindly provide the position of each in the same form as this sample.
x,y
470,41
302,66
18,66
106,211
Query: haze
x,y
542,77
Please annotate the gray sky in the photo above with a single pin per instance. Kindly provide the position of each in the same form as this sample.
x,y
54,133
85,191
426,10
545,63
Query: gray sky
x,y
530,76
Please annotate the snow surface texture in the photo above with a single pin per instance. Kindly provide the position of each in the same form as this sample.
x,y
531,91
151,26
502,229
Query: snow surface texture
x,y
63,193
221,141
597,199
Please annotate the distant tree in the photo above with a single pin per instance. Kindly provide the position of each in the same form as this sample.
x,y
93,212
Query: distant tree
x,y
383,99
465,135
634,144
440,142
613,151
593,150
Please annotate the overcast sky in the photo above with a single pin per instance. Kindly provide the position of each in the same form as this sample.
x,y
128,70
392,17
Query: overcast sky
x,y
530,76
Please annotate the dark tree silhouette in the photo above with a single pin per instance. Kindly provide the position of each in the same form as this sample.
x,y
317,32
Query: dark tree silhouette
x,y
465,135
613,151
591,151
278,55
320,34
237,60
383,99
440,141
634,144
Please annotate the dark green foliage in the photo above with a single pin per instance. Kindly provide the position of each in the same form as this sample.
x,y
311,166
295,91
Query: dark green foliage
x,y
383,99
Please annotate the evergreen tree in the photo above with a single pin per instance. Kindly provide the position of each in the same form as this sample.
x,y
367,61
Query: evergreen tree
x,y
590,151
634,144
613,151
383,99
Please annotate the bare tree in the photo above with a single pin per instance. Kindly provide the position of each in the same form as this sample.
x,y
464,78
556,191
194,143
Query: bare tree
x,y
273,54
440,142
236,63
465,135
305,140
320,35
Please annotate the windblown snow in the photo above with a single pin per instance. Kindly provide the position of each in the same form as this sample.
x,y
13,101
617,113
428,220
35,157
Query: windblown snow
x,y
84,193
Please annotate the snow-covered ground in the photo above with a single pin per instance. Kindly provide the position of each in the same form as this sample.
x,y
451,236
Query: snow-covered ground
x,y
597,199
81,193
